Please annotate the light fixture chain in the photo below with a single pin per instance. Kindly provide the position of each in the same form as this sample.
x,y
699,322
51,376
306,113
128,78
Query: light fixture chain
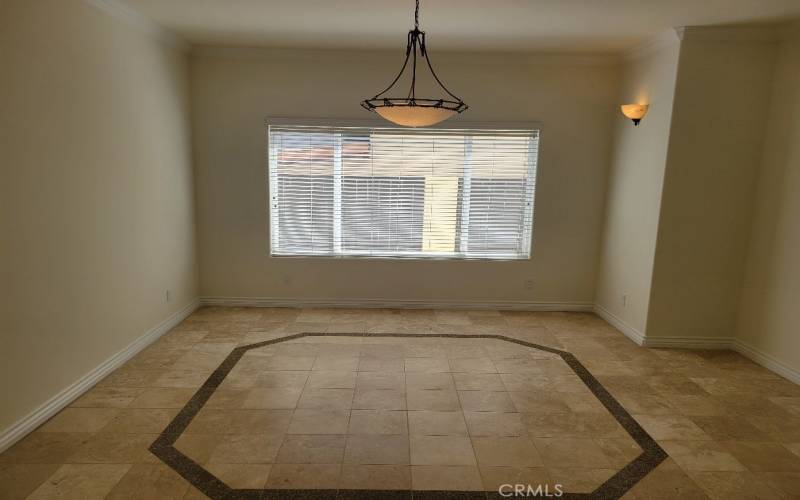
x,y
416,16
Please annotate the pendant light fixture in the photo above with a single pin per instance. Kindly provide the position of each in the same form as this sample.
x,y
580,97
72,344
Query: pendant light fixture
x,y
412,111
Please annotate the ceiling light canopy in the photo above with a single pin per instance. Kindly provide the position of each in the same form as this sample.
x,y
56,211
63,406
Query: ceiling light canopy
x,y
412,111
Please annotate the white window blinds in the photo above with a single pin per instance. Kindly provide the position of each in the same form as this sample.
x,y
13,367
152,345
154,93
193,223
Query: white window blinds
x,y
386,192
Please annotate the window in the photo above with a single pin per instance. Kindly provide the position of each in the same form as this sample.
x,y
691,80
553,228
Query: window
x,y
389,192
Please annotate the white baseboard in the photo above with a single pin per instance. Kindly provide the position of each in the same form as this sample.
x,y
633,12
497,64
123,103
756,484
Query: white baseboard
x,y
615,321
689,342
766,360
395,304
28,423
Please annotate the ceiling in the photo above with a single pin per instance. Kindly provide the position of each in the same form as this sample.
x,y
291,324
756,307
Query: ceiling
x,y
486,25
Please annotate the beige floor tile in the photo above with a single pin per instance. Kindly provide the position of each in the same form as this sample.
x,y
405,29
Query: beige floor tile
x,y
108,397
162,397
319,422
382,365
272,398
727,485
140,421
671,427
225,398
763,457
44,448
791,404
290,363
538,402
711,411
432,399
210,421
246,421
506,451
325,379
379,399
326,399
520,365
700,406
304,476
241,476
472,365
701,456
17,481
504,478
571,453
486,401
730,428
417,381
381,380
573,424
198,447
581,403
436,423
336,363
494,424
375,477
426,365
619,451
469,351
80,420
778,428
666,482
378,422
281,379
478,382
451,478
647,404
312,449
146,482
793,447
80,482
579,480
785,483
247,449
441,450
182,378
377,450
113,448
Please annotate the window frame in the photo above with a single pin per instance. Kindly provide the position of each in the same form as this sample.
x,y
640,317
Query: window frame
x,y
454,124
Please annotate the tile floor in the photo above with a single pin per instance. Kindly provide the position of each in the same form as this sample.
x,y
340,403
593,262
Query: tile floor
x,y
416,413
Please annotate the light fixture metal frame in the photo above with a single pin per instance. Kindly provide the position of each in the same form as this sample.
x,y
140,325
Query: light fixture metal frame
x,y
416,43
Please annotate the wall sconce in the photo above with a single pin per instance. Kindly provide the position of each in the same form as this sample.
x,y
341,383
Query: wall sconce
x,y
635,112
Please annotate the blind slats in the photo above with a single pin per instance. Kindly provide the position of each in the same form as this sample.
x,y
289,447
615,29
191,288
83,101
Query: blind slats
x,y
342,191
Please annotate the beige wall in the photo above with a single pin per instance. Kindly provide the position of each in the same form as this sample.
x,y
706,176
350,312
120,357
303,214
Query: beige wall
x,y
719,114
635,182
771,292
233,93
96,200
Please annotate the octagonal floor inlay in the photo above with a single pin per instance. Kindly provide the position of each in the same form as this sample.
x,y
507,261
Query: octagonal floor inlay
x,y
371,416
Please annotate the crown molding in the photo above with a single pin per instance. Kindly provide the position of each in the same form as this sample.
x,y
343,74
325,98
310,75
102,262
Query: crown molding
x,y
757,34
122,11
442,57
655,44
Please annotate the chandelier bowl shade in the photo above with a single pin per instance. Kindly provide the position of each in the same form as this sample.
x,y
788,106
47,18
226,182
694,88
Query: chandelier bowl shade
x,y
412,111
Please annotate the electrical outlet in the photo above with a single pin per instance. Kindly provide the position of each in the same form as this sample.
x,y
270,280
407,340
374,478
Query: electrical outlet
x,y
168,296
624,300
529,284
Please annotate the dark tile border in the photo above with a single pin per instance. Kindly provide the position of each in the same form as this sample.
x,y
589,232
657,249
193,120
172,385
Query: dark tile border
x,y
616,486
